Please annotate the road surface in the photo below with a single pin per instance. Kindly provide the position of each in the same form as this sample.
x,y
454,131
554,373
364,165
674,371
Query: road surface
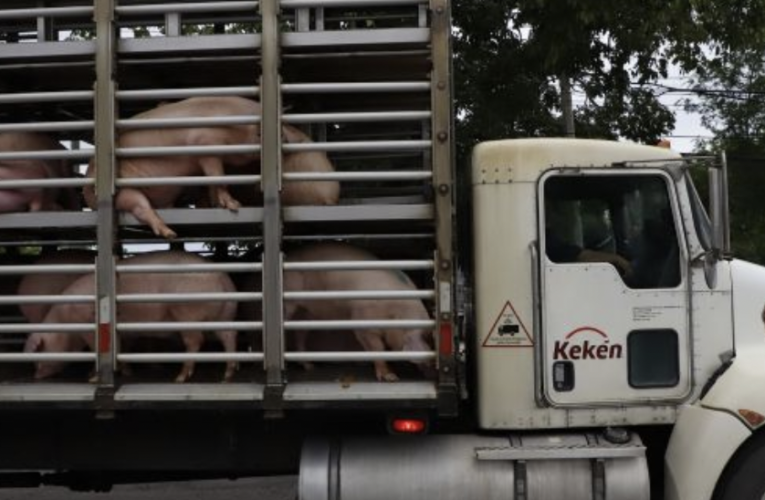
x,y
274,488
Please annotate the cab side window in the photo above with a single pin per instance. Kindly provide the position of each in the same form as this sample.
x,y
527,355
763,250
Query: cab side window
x,y
622,220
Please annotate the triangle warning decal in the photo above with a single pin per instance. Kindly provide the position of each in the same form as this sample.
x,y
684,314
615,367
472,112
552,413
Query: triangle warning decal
x,y
508,330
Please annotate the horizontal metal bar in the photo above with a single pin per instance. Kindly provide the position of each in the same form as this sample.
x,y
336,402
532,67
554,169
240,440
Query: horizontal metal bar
x,y
227,180
342,88
186,150
357,176
29,52
45,183
48,269
46,12
185,326
200,357
129,10
132,95
38,97
294,4
357,117
68,126
360,356
48,327
69,154
24,357
193,46
390,324
46,299
361,295
559,453
382,212
134,298
151,123
355,146
228,267
349,265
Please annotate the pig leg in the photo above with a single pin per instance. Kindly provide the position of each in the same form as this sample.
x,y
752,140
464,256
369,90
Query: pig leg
x,y
228,339
213,167
193,342
293,312
135,202
372,341
301,345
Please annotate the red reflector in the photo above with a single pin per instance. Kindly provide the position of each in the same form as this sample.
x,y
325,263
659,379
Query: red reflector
x,y
104,339
408,425
446,344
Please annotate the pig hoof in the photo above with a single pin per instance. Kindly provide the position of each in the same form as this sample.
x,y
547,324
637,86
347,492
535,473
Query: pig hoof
x,y
229,375
309,367
231,204
168,234
387,377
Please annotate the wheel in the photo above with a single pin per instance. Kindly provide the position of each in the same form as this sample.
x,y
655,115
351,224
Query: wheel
x,y
744,478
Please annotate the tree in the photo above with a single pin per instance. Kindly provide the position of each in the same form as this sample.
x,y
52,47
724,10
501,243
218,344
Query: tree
x,y
731,101
510,55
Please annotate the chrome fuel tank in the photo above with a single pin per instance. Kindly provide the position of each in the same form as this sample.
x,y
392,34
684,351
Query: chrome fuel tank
x,y
540,467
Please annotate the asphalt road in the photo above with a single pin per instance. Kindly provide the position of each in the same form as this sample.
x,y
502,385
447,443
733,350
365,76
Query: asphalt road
x,y
273,488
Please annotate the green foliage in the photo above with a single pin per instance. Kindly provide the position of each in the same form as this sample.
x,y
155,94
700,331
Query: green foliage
x,y
731,101
509,55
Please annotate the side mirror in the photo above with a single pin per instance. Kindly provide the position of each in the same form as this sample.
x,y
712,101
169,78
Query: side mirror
x,y
718,207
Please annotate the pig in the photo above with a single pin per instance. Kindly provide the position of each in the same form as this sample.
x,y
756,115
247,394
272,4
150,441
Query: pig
x,y
370,339
306,192
141,202
294,193
50,284
188,282
34,199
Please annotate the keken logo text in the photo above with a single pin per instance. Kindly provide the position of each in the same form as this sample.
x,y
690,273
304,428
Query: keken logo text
x,y
598,349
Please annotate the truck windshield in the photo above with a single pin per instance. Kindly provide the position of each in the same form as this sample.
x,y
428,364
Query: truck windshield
x,y
700,218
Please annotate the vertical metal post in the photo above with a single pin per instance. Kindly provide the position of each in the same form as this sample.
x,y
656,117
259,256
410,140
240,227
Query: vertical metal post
x,y
271,155
303,18
173,24
319,19
43,27
105,112
442,154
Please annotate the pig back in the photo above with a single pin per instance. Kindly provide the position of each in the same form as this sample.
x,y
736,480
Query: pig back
x,y
179,282
51,284
196,107
380,280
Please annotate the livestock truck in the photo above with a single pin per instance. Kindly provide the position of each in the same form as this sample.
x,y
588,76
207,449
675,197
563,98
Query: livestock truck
x,y
555,377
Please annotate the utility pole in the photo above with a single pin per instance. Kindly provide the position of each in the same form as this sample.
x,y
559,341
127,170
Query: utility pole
x,y
567,106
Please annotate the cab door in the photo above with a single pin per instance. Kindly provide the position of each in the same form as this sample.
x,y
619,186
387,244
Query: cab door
x,y
613,288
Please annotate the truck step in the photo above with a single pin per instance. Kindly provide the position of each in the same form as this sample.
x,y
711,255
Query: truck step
x,y
562,448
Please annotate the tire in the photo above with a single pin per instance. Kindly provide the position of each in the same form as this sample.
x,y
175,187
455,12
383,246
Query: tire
x,y
744,478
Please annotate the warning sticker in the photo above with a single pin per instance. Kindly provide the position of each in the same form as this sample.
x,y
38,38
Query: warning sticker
x,y
508,330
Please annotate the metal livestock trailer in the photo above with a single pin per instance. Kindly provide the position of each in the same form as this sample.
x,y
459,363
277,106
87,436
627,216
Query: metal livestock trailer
x,y
368,80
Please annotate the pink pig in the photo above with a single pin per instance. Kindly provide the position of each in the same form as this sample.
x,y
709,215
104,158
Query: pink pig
x,y
50,284
154,283
294,193
142,201
378,339
34,199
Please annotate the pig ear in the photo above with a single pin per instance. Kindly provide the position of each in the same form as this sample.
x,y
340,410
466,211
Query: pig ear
x,y
34,343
